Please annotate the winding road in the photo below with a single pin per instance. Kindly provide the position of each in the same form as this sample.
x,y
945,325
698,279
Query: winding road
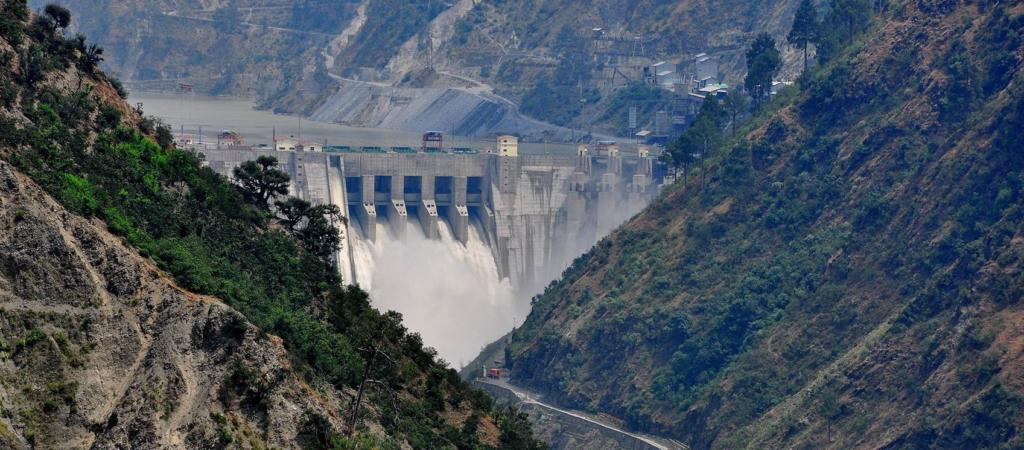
x,y
530,398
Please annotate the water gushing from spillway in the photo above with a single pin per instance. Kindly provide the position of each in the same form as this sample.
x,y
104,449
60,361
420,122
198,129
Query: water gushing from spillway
x,y
447,291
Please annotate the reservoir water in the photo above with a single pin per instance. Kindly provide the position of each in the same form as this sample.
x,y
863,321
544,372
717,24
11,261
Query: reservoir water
x,y
192,113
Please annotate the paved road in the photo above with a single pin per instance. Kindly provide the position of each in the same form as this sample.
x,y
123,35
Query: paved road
x,y
528,397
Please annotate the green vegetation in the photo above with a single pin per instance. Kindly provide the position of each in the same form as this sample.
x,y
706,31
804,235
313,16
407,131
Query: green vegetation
x,y
843,22
261,181
805,25
219,239
840,269
389,23
465,26
763,62
560,98
12,15
58,16
647,99
703,137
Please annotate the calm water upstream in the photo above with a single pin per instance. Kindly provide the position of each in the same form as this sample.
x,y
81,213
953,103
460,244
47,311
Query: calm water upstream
x,y
215,114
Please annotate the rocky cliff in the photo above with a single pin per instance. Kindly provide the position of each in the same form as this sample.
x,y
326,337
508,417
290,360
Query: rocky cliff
x,y
103,350
147,302
850,276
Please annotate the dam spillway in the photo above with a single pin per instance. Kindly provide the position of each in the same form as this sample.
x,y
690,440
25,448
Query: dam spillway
x,y
534,211
459,242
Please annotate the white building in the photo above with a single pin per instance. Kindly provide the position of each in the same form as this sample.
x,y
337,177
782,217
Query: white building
x,y
508,145
302,145
780,85
705,68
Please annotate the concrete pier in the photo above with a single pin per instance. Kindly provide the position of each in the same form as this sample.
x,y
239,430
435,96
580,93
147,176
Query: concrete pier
x,y
398,214
428,218
458,212
366,211
398,217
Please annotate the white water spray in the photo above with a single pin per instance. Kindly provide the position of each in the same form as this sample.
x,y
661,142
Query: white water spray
x,y
448,292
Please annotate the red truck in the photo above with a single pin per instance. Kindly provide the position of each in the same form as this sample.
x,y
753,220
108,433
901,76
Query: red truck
x,y
494,372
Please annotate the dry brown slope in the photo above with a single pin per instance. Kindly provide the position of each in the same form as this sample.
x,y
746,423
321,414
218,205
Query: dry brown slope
x,y
102,350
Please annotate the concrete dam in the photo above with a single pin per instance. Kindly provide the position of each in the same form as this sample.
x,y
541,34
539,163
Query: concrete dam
x,y
459,241
534,211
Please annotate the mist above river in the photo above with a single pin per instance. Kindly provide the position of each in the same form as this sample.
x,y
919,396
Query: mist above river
x,y
447,291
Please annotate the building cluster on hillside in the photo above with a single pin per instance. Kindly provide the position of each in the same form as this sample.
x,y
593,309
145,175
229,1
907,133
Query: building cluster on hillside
x,y
686,85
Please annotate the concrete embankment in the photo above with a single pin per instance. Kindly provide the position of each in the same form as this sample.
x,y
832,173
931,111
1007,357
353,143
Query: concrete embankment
x,y
565,429
417,109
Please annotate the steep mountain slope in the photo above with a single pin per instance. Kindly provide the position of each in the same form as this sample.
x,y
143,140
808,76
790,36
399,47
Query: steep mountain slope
x,y
102,350
245,48
547,57
286,54
139,291
850,278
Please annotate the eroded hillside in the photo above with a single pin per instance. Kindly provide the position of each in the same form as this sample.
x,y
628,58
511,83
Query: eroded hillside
x,y
850,278
145,302
102,350
538,55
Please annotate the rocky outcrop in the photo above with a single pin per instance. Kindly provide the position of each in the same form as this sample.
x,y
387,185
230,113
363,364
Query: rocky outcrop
x,y
100,349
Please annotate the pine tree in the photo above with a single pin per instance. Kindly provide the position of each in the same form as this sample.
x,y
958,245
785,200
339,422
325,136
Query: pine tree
x,y
260,181
805,26
845,20
735,104
60,17
763,62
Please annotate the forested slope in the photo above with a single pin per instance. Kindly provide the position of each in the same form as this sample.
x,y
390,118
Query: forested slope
x,y
849,278
146,302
